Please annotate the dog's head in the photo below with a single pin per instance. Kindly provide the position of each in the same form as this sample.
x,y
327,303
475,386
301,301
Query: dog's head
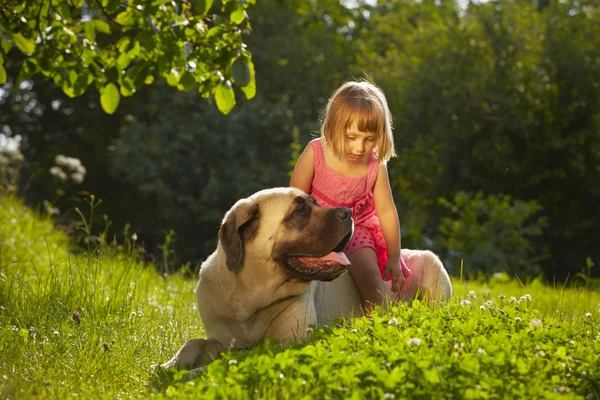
x,y
284,230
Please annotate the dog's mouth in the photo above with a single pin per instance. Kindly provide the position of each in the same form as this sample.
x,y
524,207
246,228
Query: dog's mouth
x,y
320,267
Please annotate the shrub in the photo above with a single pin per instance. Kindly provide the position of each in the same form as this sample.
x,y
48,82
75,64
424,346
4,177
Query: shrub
x,y
490,234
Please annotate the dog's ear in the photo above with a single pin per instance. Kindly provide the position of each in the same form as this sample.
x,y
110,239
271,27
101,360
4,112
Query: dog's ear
x,y
237,227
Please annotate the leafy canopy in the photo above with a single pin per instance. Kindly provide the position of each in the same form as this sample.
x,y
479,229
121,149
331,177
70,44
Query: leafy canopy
x,y
194,45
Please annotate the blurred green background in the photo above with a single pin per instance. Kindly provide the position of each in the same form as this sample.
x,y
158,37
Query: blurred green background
x,y
496,110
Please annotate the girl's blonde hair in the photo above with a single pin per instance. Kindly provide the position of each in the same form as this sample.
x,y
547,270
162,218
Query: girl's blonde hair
x,y
363,103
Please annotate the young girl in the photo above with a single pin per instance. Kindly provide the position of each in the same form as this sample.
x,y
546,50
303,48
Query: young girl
x,y
346,167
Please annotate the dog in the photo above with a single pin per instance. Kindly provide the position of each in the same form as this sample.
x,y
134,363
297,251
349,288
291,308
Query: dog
x,y
279,268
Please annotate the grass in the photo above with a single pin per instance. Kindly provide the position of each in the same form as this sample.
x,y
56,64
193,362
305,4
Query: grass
x,y
90,324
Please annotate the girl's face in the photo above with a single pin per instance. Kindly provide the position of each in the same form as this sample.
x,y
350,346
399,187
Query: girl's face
x,y
358,145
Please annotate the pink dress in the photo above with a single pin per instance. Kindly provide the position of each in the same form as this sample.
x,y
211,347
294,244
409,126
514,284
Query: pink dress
x,y
332,189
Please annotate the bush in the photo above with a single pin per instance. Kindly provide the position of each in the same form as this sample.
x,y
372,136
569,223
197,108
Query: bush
x,y
490,234
188,164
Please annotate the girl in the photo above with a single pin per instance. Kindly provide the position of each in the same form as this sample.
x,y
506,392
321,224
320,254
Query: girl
x,y
346,167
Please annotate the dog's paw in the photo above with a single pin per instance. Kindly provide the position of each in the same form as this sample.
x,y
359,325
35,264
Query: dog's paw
x,y
159,368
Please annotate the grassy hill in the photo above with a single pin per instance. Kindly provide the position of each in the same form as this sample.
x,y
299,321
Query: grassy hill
x,y
79,324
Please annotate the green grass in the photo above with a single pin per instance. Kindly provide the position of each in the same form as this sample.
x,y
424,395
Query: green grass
x,y
544,343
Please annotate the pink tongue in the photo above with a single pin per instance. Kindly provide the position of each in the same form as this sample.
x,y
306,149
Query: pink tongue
x,y
339,258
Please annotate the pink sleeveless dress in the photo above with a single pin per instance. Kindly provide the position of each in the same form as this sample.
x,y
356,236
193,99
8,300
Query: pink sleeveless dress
x,y
332,189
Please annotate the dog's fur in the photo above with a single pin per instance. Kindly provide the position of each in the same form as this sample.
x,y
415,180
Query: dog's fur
x,y
254,286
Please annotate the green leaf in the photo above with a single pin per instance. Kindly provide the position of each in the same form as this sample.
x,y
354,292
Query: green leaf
x,y
81,83
123,44
225,97
63,10
250,89
140,76
28,69
126,17
3,76
127,88
112,75
73,76
201,7
27,46
238,16
187,82
6,45
109,99
123,61
89,29
135,50
241,72
173,78
102,26
112,5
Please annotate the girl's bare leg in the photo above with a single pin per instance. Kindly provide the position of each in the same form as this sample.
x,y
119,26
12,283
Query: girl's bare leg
x,y
365,272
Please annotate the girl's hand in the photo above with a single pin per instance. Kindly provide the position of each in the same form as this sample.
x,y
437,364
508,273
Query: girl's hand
x,y
393,267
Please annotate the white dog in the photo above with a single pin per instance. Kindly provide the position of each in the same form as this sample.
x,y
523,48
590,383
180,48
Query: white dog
x,y
278,269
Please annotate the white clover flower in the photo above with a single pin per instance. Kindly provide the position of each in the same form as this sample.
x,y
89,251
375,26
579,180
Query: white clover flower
x,y
414,341
535,323
517,319
69,162
58,173
232,361
589,314
134,237
49,209
393,321
389,396
482,307
525,297
540,354
512,300
60,159
481,351
488,303
472,294
465,303
77,177
354,331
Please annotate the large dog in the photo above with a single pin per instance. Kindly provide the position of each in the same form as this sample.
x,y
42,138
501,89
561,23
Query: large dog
x,y
278,269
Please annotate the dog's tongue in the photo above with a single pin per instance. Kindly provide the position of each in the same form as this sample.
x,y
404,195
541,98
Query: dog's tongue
x,y
337,257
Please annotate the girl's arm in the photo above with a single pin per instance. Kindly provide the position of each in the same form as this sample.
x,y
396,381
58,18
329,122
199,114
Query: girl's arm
x,y
388,219
304,170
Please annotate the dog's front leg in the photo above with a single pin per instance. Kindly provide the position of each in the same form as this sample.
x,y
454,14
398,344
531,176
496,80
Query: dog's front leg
x,y
293,322
195,353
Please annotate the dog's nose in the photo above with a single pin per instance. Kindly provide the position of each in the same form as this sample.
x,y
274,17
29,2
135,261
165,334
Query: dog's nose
x,y
343,213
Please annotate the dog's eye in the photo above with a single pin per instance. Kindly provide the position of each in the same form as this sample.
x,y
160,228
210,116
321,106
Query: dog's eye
x,y
302,208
